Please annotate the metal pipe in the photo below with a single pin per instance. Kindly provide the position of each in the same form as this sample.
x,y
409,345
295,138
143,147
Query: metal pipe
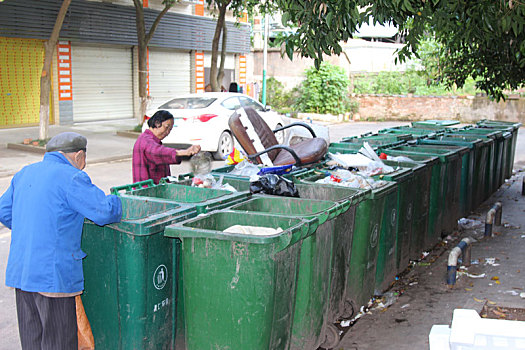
x,y
493,217
463,248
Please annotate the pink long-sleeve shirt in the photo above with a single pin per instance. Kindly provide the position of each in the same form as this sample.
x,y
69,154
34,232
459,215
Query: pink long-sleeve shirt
x,y
151,160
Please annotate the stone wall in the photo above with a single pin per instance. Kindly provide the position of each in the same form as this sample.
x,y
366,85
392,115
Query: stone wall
x,y
465,108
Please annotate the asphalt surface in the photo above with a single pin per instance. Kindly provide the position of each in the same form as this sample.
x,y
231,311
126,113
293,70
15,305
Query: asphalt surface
x,y
421,296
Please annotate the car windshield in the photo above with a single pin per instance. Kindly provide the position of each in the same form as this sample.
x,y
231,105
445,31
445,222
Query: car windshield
x,y
188,103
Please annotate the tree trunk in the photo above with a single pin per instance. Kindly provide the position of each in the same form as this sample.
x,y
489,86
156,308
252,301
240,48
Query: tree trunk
x,y
220,74
143,40
215,85
45,78
142,60
143,81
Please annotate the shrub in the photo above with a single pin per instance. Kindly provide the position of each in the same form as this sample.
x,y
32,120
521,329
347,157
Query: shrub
x,y
324,90
402,83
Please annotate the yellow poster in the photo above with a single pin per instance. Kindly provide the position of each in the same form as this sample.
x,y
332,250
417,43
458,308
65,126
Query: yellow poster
x,y
21,62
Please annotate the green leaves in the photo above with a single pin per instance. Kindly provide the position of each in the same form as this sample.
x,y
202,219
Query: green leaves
x,y
482,38
325,90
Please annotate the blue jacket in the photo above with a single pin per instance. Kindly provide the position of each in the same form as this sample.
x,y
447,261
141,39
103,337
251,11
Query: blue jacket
x,y
44,207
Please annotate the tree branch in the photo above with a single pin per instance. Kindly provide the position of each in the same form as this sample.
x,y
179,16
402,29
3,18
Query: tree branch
x,y
157,21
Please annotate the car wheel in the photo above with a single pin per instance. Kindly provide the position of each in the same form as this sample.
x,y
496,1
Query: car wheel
x,y
280,134
224,147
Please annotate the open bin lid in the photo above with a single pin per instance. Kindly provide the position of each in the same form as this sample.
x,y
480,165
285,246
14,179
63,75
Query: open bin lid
x,y
214,224
143,217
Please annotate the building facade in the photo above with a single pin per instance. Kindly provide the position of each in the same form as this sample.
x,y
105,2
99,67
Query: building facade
x,y
95,74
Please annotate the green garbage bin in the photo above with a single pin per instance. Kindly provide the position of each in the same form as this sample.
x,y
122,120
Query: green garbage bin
x,y
434,124
515,128
130,276
203,199
495,161
508,148
410,181
357,143
482,149
377,138
399,249
341,147
311,316
239,288
375,229
341,305
468,166
484,167
415,132
432,223
451,157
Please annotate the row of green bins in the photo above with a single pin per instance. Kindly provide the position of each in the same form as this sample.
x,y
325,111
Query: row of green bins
x,y
495,160
240,278
484,167
407,176
201,199
130,275
504,149
396,226
473,187
451,157
467,166
435,207
508,135
340,305
311,312
514,126
375,231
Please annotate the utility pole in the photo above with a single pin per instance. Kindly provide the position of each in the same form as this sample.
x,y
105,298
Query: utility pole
x,y
265,58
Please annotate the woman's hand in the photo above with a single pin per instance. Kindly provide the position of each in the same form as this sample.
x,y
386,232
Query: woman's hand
x,y
190,151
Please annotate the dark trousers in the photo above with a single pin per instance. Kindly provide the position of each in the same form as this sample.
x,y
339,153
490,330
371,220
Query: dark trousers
x,y
46,323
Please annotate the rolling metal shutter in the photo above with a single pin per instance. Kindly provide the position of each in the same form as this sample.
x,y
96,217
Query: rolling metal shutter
x,y
102,83
169,74
21,62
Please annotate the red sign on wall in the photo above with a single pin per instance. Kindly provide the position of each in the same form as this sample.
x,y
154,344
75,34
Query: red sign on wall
x,y
65,82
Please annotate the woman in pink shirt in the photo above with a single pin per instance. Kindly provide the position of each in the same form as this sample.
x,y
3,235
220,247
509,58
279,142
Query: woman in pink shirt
x,y
151,160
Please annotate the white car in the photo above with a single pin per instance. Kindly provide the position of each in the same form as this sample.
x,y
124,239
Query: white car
x,y
202,119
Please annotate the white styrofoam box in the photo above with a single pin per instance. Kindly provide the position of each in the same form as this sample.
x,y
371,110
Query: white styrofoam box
x,y
439,336
470,331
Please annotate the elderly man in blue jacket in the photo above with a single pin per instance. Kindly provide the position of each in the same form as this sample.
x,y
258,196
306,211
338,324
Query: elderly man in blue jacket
x,y
45,207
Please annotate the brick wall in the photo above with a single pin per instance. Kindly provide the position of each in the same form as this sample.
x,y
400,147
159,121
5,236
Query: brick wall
x,y
464,108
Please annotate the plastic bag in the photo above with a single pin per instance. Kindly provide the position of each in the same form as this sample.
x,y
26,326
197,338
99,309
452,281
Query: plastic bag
x,y
277,170
203,180
400,159
201,163
85,335
235,157
274,185
245,168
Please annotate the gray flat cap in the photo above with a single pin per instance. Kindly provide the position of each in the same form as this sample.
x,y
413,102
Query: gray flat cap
x,y
67,142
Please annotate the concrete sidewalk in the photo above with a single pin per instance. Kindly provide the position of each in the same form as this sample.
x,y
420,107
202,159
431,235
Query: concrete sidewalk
x,y
103,143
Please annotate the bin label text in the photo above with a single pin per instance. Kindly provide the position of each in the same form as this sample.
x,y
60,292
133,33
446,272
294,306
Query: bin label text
x,y
160,305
